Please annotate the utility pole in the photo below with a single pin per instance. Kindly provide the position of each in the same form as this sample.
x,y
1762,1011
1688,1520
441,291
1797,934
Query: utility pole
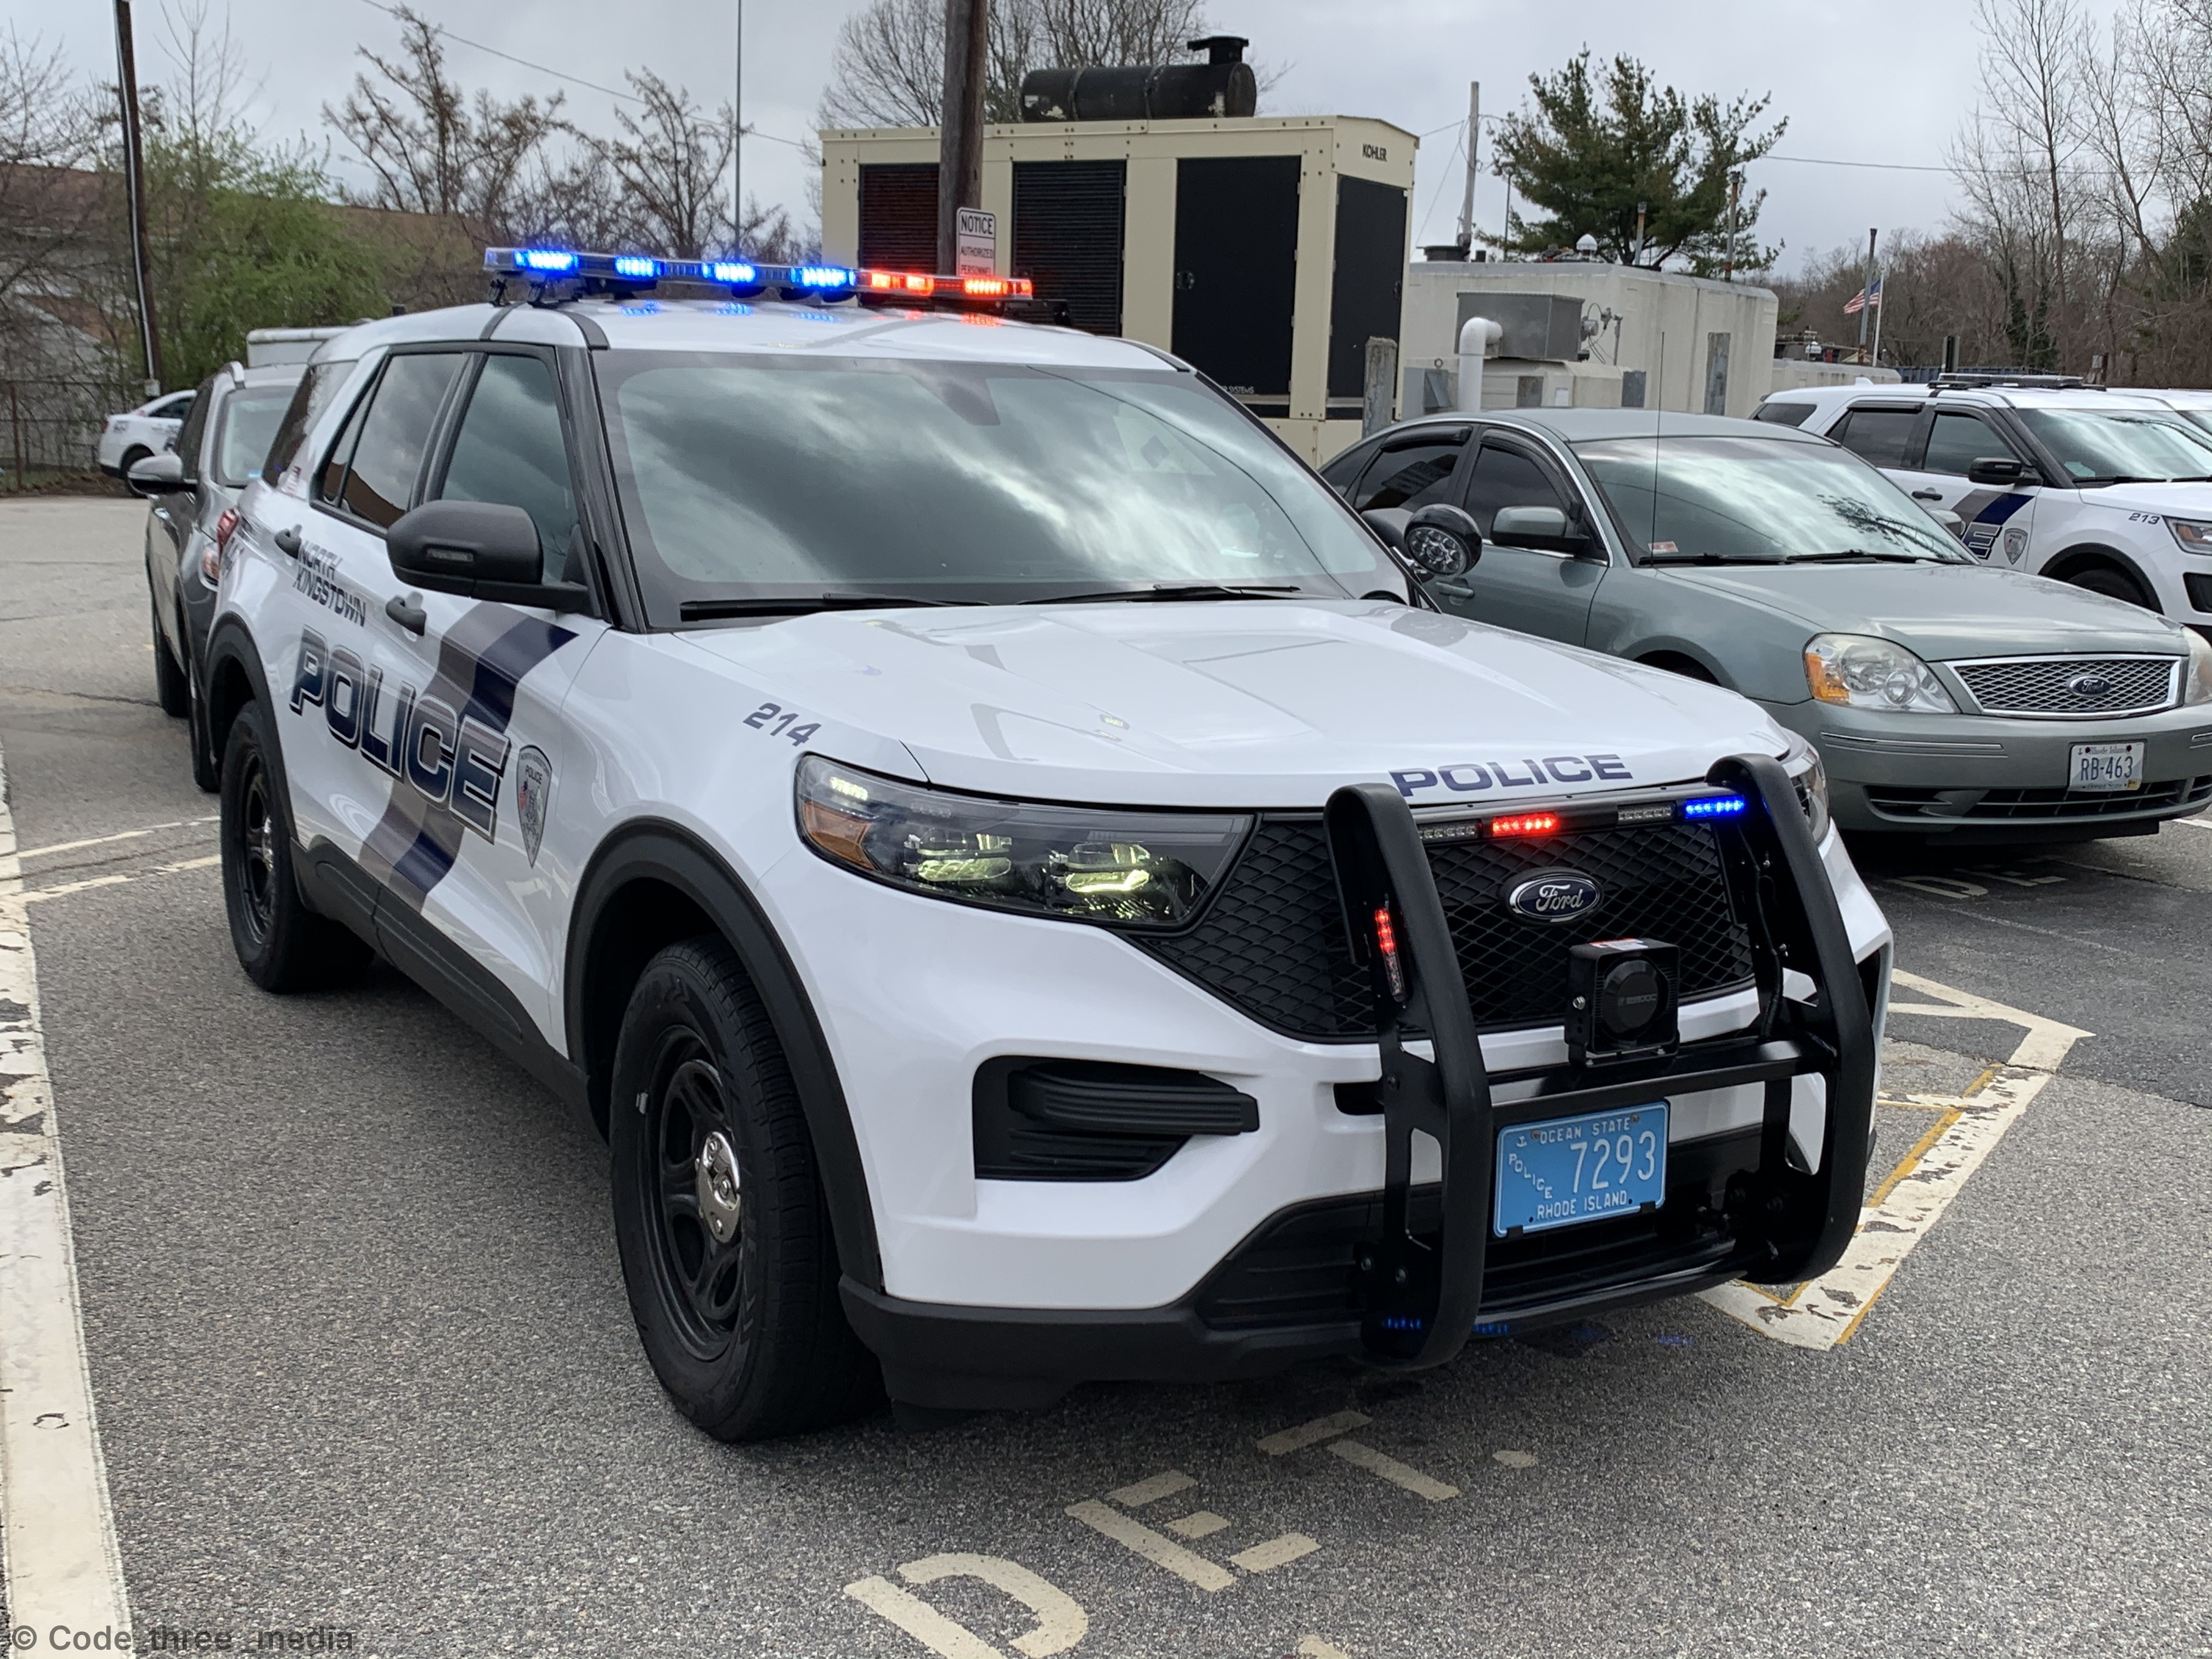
x,y
134,174
737,143
1474,140
1638,259
1735,192
960,133
1866,293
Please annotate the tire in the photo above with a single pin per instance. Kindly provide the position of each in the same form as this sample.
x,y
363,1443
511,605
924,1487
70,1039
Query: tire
x,y
283,944
207,765
170,689
131,456
733,1283
2113,583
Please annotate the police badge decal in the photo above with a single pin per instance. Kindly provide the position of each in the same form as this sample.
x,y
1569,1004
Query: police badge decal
x,y
533,785
2016,545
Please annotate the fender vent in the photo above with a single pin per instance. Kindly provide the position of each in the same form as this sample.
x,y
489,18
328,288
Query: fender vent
x,y
1074,1120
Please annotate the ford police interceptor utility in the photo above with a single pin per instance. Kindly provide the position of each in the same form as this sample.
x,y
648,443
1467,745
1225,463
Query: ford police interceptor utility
x,y
2109,490
1025,883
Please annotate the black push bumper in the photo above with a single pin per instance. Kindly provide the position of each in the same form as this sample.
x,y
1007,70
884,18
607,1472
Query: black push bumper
x,y
1406,1277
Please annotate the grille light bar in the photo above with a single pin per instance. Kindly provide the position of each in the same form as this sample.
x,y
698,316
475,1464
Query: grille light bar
x,y
1716,806
1526,824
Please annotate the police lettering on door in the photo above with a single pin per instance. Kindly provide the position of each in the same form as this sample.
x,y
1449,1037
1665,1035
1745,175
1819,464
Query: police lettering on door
x,y
451,761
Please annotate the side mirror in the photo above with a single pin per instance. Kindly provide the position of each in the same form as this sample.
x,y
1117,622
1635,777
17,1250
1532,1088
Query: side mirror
x,y
1544,527
157,475
1950,520
1442,540
479,550
1999,470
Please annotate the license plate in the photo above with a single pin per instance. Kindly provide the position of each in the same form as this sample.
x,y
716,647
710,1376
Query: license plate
x,y
1581,1168
2107,767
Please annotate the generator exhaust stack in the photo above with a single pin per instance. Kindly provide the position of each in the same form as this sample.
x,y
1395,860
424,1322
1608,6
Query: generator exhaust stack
x,y
1221,88
1478,337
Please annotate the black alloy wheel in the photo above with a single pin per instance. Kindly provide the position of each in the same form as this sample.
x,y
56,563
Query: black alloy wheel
x,y
283,944
724,1234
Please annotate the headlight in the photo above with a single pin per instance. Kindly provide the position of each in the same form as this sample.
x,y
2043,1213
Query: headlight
x,y
2195,535
1804,765
1133,869
1860,671
2199,687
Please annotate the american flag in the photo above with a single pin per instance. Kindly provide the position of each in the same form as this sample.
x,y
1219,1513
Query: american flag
x,y
1865,297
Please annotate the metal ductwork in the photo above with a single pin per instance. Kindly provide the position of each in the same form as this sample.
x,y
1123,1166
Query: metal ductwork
x,y
1221,88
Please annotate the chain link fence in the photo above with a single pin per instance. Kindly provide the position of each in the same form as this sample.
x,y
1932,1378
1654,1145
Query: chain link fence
x,y
50,427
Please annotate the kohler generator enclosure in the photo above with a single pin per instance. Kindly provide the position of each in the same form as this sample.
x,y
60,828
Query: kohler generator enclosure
x,y
1266,250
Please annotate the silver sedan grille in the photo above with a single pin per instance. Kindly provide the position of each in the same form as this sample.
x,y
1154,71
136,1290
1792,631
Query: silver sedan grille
x,y
2060,686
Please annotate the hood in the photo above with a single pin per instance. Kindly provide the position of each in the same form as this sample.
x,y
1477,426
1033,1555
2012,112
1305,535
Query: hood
x,y
1255,704
2182,500
1943,611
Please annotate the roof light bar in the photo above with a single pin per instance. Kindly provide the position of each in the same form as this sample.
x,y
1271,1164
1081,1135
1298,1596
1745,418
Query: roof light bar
x,y
627,274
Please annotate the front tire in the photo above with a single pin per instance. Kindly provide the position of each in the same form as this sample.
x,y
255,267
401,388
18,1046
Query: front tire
x,y
725,1244
2114,584
171,688
283,944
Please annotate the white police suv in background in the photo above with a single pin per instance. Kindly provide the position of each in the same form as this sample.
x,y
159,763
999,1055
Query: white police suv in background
x,y
1007,858
2109,490
150,428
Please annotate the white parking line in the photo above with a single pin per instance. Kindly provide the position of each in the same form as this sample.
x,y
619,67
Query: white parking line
x,y
63,889
103,841
1823,1312
62,1566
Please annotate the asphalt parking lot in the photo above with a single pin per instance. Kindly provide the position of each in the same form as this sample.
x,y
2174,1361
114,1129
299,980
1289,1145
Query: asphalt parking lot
x,y
362,1361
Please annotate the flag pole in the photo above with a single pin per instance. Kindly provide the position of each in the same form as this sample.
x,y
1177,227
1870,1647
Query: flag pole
x,y
1875,297
1866,296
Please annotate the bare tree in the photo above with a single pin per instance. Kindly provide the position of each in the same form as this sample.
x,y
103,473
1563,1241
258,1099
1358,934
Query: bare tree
x,y
888,68
49,124
430,147
669,164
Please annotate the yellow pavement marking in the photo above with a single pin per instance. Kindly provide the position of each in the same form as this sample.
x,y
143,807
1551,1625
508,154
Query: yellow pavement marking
x,y
1160,1551
942,1636
1311,1434
1202,1524
1152,1490
1060,1620
1275,1553
1515,1460
62,1565
1362,1455
1312,1647
1822,1313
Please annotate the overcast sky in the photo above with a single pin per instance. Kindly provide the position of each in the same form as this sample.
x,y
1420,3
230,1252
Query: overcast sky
x,y
1860,81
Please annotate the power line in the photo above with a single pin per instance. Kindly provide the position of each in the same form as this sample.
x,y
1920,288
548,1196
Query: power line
x,y
560,75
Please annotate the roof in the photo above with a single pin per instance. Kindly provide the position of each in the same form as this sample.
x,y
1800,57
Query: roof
x,y
844,329
2085,397
1576,426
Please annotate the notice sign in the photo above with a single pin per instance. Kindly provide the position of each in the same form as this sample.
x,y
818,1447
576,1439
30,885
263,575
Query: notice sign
x,y
977,243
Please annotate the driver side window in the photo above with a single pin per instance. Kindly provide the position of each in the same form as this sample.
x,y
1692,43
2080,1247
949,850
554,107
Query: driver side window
x,y
1510,477
1957,440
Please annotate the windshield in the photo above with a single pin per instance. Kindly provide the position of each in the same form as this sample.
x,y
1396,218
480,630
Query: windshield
x,y
749,479
1758,500
2119,445
249,419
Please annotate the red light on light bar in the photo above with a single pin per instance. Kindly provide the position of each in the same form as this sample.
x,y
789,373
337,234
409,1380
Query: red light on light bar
x,y
899,281
996,287
1526,824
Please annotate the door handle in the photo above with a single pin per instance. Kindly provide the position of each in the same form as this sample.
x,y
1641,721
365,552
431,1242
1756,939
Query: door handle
x,y
406,610
162,514
1927,495
1457,590
287,542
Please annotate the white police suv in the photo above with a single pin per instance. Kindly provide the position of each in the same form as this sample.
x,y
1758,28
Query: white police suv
x,y
2109,490
1026,884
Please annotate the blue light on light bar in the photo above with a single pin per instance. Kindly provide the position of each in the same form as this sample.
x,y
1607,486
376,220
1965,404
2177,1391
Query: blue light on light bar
x,y
824,277
732,271
635,264
1716,806
545,258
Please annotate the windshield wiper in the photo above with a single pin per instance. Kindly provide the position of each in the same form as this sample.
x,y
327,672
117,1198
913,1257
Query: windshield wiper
x,y
802,605
1700,559
1184,591
1851,554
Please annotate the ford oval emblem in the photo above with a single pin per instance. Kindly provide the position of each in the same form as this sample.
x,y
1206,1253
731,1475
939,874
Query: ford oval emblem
x,y
2089,685
1555,896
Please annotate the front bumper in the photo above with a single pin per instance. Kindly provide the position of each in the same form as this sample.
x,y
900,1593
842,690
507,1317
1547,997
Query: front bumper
x,y
1983,777
1005,1292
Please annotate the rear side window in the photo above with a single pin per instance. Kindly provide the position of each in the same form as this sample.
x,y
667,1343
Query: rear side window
x,y
1783,414
250,415
1878,436
194,429
509,450
309,400
387,457
1411,475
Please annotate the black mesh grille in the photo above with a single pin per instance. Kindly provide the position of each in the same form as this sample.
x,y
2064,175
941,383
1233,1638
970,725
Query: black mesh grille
x,y
1273,944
